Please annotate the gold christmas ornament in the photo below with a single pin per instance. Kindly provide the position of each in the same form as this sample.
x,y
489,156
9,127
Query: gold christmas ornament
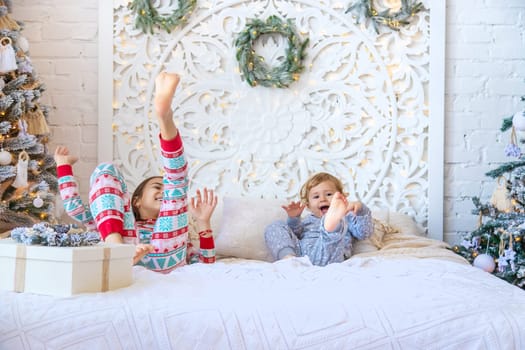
x,y
501,198
36,122
31,85
7,23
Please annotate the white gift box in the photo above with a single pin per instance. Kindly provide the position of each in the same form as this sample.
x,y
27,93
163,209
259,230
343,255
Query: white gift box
x,y
64,271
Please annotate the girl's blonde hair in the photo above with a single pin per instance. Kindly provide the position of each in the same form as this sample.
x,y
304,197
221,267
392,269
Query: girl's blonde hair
x,y
315,180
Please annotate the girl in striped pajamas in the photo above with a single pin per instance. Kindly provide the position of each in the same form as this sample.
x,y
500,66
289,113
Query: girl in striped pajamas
x,y
155,218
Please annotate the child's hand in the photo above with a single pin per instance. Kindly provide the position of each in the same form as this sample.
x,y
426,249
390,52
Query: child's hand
x,y
203,205
354,207
141,250
63,157
294,209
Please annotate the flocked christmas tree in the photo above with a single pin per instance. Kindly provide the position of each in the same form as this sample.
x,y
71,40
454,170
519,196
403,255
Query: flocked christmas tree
x,y
498,244
28,180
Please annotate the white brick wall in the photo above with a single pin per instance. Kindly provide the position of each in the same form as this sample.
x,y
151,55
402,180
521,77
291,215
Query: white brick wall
x,y
63,45
485,78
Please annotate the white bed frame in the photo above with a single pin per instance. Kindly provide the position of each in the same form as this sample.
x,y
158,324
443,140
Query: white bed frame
x,y
125,141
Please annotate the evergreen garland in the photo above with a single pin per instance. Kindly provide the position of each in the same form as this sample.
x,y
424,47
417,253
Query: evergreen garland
x,y
254,70
147,17
366,10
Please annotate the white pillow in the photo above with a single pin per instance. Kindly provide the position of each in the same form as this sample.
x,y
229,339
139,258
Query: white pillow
x,y
405,224
375,241
241,230
386,222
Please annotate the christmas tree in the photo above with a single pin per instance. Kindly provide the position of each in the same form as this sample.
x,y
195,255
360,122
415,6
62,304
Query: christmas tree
x,y
498,244
28,180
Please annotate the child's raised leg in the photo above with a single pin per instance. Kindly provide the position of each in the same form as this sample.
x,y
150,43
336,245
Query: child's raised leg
x,y
339,207
110,206
170,233
165,86
109,203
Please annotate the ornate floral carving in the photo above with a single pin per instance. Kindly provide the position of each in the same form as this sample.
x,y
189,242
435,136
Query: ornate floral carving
x,y
359,111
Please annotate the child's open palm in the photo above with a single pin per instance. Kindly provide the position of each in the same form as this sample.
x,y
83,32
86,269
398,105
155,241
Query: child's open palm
x,y
203,205
294,209
63,157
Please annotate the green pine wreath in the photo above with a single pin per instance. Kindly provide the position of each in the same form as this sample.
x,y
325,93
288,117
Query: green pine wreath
x,y
254,70
147,17
393,20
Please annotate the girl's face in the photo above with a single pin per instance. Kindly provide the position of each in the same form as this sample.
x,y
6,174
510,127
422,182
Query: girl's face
x,y
149,202
320,196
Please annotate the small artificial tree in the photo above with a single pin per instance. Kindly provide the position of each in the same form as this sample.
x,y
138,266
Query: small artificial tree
x,y
498,244
28,182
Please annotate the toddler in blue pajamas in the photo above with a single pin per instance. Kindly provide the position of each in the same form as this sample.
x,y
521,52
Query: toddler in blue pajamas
x,y
325,235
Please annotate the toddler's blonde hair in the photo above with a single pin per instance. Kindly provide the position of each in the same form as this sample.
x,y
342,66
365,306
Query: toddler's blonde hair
x,y
315,180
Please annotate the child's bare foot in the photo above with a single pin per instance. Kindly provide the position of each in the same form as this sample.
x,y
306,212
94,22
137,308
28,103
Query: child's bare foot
x,y
289,256
337,210
165,86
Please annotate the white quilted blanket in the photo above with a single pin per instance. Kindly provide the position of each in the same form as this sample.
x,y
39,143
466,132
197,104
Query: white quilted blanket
x,y
363,303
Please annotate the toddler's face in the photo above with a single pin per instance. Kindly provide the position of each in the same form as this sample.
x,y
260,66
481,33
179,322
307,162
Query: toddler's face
x,y
320,196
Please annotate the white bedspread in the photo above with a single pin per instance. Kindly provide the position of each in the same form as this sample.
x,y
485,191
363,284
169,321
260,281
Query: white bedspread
x,y
363,303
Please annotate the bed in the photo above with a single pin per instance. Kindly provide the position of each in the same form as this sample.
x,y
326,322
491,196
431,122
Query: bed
x,y
400,290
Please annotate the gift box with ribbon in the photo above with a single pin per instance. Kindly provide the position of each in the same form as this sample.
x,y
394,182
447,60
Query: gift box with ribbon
x,y
64,271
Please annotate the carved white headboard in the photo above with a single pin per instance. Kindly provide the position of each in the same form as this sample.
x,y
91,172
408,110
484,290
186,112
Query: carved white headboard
x,y
367,108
